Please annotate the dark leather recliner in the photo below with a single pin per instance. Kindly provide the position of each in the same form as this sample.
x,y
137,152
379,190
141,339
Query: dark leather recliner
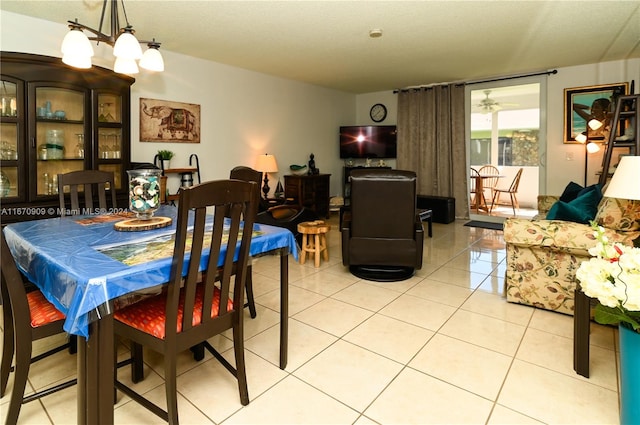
x,y
382,235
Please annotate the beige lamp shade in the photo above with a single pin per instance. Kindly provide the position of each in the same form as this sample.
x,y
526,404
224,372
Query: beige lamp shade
x,y
625,183
267,164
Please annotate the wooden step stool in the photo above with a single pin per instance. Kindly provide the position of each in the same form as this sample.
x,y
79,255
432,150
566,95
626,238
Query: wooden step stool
x,y
314,240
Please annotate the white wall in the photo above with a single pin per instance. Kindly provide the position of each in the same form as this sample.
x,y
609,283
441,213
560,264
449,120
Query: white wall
x,y
565,162
365,101
243,113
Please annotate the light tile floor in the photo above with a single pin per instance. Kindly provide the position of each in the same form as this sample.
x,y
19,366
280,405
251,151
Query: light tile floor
x,y
442,347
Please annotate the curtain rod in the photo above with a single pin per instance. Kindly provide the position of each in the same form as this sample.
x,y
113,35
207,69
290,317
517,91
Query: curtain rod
x,y
462,83
534,74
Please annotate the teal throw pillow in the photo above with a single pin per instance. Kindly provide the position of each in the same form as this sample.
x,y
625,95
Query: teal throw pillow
x,y
593,187
570,192
583,209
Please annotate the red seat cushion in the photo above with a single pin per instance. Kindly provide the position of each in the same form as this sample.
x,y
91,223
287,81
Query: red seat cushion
x,y
42,311
149,315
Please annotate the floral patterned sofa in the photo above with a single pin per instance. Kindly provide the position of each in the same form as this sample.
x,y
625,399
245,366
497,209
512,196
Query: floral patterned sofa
x,y
543,255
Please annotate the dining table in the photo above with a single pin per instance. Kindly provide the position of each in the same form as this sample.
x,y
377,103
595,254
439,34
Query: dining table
x,y
480,200
84,266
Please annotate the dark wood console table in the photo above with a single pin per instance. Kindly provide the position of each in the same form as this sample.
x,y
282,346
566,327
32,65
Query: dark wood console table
x,y
310,191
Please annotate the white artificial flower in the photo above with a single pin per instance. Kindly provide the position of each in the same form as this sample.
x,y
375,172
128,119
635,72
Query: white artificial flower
x,y
612,276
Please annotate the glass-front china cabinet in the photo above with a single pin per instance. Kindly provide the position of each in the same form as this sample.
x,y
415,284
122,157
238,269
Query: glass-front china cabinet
x,y
56,119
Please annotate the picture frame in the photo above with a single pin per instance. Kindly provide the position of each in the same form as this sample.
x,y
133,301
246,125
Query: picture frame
x,y
168,121
583,103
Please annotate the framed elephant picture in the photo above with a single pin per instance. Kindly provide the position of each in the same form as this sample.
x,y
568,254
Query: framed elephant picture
x,y
167,121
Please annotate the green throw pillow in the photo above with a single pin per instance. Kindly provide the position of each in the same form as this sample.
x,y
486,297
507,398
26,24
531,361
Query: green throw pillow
x,y
581,210
570,192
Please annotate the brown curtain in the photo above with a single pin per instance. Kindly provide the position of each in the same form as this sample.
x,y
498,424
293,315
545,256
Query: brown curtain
x,y
431,141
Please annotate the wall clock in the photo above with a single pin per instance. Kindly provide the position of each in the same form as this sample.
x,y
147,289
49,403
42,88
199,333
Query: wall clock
x,y
378,112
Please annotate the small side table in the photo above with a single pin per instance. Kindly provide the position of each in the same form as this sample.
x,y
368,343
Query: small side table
x,y
427,215
314,240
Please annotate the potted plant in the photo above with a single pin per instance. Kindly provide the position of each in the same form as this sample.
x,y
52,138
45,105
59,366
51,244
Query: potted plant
x,y
165,157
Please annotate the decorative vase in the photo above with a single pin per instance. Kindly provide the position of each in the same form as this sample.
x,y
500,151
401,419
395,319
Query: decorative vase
x,y
629,375
166,164
144,192
55,144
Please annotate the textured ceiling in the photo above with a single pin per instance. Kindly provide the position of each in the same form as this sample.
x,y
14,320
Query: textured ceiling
x,y
327,43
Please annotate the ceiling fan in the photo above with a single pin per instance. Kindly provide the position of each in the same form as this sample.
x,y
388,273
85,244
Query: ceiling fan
x,y
487,104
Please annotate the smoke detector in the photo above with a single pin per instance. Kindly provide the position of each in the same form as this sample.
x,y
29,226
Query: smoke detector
x,y
375,33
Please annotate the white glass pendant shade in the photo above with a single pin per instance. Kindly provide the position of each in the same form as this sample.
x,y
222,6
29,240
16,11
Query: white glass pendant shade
x,y
581,138
127,47
594,124
125,66
152,60
592,147
83,62
76,43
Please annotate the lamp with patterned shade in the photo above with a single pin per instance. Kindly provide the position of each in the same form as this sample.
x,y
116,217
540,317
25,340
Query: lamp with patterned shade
x,y
266,164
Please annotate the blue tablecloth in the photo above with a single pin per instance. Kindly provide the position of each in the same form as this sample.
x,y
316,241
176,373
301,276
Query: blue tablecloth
x,y
63,257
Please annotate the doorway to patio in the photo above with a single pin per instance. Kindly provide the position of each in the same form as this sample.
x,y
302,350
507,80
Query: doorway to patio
x,y
506,130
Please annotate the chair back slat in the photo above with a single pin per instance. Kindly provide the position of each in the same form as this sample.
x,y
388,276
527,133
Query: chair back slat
x,y
102,195
489,170
472,181
88,196
88,180
236,201
214,253
516,182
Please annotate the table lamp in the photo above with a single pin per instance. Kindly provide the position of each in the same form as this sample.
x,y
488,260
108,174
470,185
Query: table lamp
x,y
624,183
266,164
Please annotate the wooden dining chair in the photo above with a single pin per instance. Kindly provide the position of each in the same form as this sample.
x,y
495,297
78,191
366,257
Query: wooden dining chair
x,y
473,173
512,190
196,305
28,317
137,358
91,183
489,183
248,174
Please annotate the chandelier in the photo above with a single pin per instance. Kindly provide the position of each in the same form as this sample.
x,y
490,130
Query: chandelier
x,y
77,50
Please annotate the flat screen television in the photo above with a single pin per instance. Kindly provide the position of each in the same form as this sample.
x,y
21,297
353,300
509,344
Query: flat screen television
x,y
369,141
